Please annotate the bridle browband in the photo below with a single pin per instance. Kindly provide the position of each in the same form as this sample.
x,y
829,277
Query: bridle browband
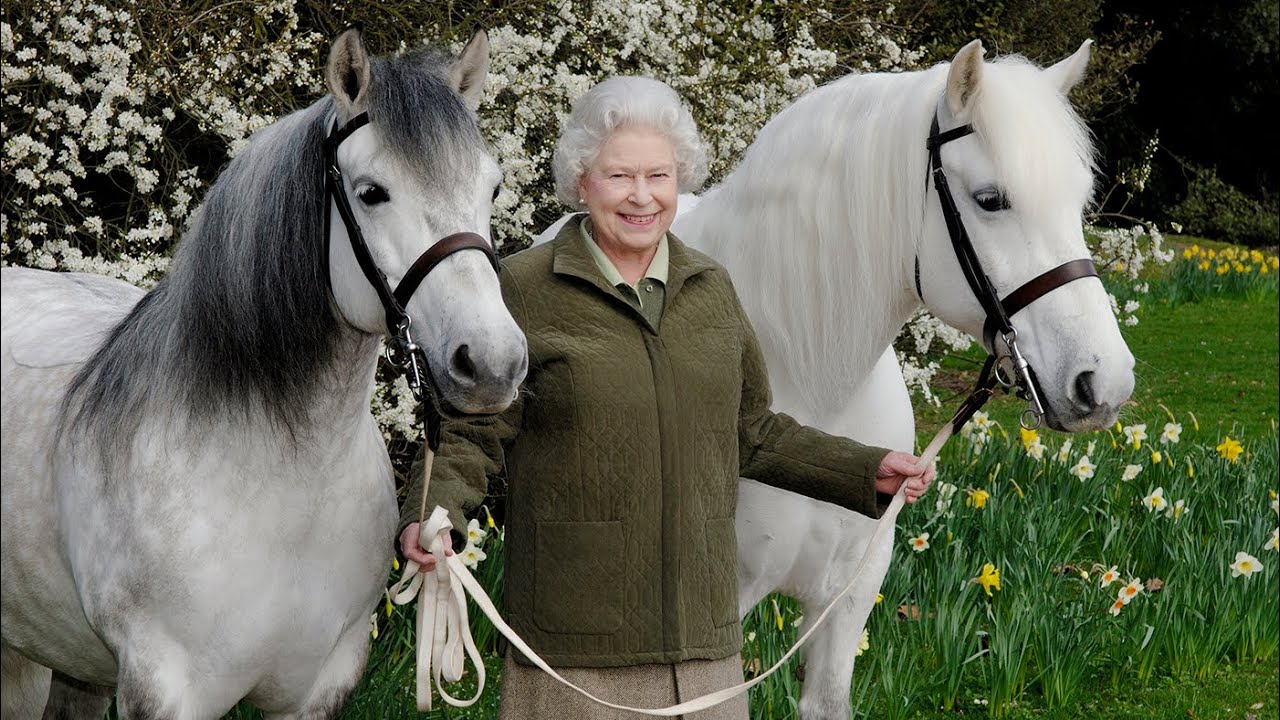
x,y
1006,365
402,351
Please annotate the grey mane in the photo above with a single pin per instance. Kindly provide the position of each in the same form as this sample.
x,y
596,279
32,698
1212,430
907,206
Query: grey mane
x,y
245,320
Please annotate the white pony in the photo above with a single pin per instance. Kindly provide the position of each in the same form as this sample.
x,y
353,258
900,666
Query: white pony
x,y
825,227
198,506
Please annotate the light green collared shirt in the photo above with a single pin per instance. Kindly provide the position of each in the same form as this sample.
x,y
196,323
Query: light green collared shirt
x,y
647,295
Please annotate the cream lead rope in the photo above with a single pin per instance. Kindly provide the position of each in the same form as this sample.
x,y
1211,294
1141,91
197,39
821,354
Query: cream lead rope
x,y
444,632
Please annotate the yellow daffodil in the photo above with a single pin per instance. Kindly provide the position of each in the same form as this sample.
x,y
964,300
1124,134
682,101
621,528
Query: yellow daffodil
x,y
388,607
1188,253
777,615
1191,469
1130,591
1156,457
1154,501
1230,449
395,563
489,519
1222,269
919,543
989,578
1111,575
879,598
977,498
1195,424
1245,565
1028,437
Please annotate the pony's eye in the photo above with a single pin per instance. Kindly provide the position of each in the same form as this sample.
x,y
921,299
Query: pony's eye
x,y
373,195
991,200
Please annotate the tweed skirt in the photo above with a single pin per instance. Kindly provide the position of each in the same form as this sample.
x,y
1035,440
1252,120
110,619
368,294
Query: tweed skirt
x,y
530,694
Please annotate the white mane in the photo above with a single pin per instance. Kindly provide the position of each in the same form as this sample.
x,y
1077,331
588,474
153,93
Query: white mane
x,y
832,195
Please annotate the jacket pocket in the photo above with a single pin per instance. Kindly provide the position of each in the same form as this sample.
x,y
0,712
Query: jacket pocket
x,y
578,575
722,571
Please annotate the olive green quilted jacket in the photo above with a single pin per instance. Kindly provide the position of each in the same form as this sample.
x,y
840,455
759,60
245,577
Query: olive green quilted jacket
x,y
622,456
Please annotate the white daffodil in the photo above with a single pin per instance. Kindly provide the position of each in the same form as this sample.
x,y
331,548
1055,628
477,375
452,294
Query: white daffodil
x,y
1274,542
1083,469
1111,575
1171,433
1036,449
1130,472
1245,565
1154,501
919,543
1064,452
475,533
864,644
1135,434
1177,510
471,556
1088,449
1130,591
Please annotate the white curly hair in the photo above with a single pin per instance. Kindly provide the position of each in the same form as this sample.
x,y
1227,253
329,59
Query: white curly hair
x,y
630,102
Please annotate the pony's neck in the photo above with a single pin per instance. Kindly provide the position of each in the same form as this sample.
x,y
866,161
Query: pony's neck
x,y
819,226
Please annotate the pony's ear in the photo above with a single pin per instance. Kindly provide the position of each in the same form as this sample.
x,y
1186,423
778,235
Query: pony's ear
x,y
347,74
469,70
964,77
1067,73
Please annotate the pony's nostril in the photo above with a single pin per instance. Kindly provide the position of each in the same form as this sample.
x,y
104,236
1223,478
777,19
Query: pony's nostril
x,y
1084,390
462,366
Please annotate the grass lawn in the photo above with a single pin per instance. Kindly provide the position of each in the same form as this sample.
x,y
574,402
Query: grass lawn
x,y
1218,358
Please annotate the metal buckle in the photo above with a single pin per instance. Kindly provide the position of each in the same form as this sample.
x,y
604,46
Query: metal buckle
x,y
403,353
1013,371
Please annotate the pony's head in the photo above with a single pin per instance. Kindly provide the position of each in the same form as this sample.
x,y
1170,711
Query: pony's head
x,y
1021,182
418,172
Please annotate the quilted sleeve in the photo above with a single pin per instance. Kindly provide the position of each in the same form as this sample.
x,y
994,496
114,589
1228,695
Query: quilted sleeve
x,y
776,450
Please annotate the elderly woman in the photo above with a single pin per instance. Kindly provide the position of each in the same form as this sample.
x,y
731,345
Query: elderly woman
x,y
646,399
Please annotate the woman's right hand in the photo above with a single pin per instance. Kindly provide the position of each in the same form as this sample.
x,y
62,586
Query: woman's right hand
x,y
412,549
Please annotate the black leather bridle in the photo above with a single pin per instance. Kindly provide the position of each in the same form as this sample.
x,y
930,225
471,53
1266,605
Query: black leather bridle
x,y
402,351
1006,365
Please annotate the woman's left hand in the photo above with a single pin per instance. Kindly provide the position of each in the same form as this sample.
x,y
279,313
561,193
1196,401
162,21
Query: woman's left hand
x,y
899,467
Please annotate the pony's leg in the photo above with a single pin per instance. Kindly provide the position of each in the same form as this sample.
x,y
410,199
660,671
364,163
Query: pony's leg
x,y
829,659
71,699
337,680
24,686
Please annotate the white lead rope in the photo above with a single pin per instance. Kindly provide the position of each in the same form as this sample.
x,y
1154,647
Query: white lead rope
x,y
443,630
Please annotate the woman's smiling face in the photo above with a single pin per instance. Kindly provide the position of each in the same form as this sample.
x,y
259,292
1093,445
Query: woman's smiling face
x,y
631,192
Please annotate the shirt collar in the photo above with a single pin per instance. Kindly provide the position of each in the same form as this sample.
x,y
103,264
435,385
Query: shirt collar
x,y
657,267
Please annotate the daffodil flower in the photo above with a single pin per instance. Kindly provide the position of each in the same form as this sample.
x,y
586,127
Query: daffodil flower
x,y
1130,472
1230,449
864,643
475,534
1177,510
919,543
373,625
1130,591
1135,434
1029,437
1064,452
1088,449
489,519
777,615
989,578
977,498
1083,468
1111,575
1274,542
1156,457
471,556
1172,433
1117,606
1245,565
879,598
1036,450
1154,501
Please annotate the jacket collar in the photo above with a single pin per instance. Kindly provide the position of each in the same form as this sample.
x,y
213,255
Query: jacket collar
x,y
571,258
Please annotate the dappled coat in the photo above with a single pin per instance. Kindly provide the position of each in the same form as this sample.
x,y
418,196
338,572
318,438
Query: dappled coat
x,y
622,457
